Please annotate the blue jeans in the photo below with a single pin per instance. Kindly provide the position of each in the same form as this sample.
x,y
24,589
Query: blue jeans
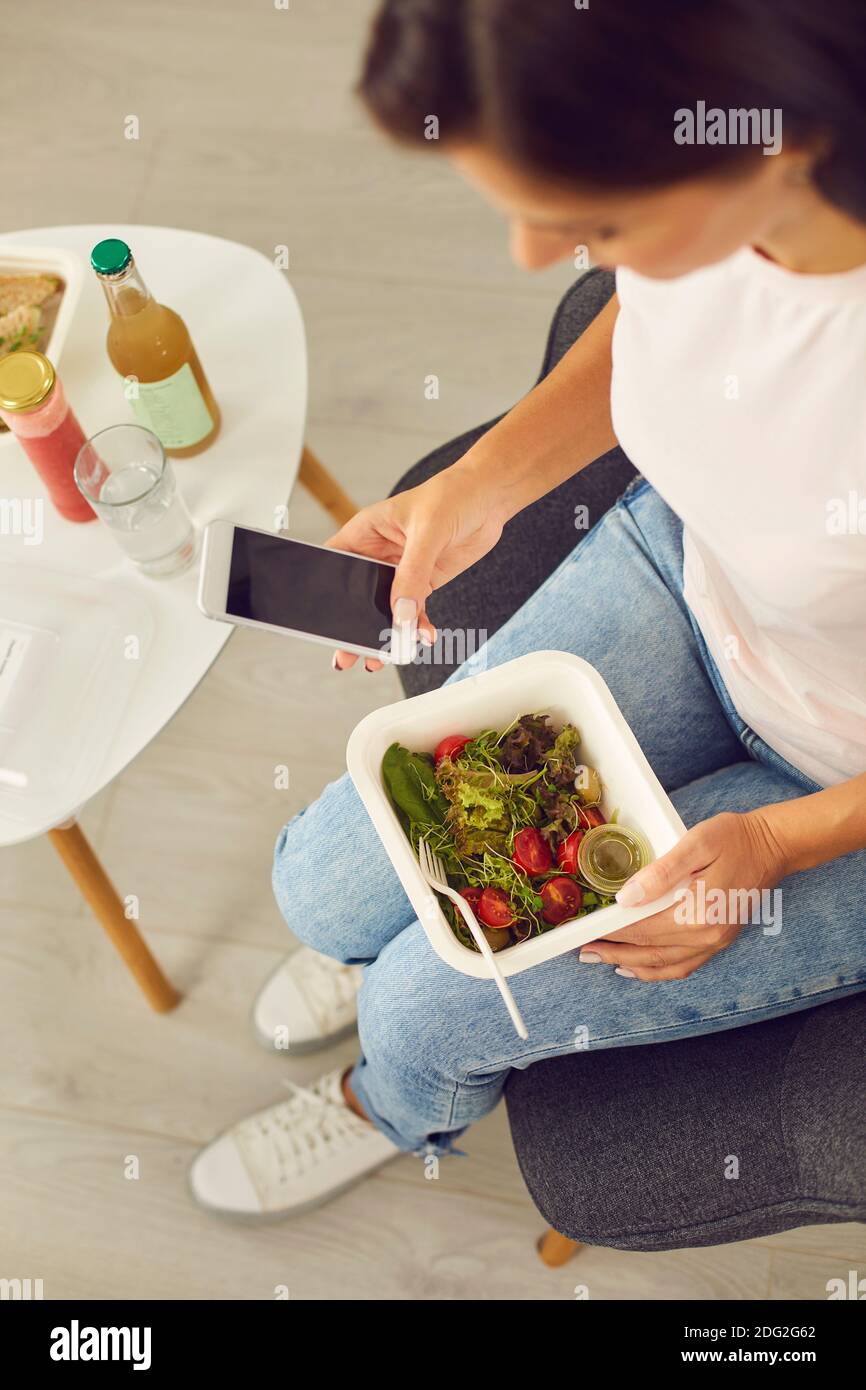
x,y
437,1045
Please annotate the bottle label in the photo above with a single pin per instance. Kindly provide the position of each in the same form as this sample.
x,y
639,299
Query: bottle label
x,y
174,409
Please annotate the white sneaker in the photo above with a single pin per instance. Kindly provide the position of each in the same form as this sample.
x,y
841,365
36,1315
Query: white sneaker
x,y
310,999
293,1156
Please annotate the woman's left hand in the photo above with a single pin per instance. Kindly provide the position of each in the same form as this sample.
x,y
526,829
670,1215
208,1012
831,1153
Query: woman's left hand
x,y
736,853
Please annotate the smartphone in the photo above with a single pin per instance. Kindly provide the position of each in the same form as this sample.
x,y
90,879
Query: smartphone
x,y
258,579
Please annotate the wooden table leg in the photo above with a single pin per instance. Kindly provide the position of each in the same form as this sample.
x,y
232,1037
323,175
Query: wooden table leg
x,y
327,491
97,890
556,1250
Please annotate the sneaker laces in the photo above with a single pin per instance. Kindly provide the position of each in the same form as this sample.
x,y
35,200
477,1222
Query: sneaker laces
x,y
328,986
296,1134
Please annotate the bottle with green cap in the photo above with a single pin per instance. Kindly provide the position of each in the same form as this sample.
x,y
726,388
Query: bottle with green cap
x,y
150,346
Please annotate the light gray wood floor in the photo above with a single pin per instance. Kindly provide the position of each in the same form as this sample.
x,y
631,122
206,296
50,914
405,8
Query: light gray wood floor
x,y
249,131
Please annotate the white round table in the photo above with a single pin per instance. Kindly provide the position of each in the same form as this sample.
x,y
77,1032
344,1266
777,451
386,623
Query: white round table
x,y
247,328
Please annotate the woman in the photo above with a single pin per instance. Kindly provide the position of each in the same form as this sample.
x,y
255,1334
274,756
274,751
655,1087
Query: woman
x,y
723,599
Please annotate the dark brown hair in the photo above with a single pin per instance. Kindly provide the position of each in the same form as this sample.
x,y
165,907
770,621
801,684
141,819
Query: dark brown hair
x,y
588,96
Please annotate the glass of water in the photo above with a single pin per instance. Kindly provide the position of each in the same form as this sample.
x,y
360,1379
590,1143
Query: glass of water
x,y
128,481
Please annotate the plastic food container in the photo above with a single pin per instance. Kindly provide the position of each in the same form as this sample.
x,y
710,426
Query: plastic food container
x,y
567,688
68,668
47,260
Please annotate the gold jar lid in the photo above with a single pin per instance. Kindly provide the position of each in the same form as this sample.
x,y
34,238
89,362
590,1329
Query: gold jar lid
x,y
26,378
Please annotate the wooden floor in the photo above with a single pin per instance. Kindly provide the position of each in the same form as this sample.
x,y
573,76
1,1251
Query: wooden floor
x,y
249,130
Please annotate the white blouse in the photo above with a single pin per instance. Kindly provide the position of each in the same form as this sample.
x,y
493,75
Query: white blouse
x,y
739,391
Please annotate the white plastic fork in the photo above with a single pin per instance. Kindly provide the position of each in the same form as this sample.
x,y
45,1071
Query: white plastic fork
x,y
434,871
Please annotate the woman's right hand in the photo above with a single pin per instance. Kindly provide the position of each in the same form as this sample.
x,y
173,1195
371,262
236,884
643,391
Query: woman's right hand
x,y
431,533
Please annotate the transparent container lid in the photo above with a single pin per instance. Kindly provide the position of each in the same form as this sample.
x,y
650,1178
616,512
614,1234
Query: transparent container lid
x,y
608,855
71,652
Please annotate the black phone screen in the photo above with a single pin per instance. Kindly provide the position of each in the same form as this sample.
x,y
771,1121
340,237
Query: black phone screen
x,y
311,589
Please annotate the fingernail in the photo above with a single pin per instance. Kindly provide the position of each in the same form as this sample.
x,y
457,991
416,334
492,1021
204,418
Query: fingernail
x,y
589,958
405,611
631,893
371,669
427,639
626,974
334,666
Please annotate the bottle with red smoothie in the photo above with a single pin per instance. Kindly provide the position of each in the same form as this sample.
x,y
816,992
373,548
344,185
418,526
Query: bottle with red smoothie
x,y
34,406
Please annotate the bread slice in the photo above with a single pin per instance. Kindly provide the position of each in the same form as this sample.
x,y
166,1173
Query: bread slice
x,y
20,328
19,290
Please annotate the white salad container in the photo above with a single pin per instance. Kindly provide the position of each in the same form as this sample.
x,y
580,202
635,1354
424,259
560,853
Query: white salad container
x,y
571,691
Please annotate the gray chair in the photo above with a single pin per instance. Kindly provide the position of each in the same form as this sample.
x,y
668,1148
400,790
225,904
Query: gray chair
x,y
637,1149
701,1141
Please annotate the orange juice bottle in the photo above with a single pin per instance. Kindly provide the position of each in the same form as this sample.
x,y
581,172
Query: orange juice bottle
x,y
149,344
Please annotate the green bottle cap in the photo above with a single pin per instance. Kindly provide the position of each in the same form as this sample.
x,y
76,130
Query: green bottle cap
x,y
610,854
110,257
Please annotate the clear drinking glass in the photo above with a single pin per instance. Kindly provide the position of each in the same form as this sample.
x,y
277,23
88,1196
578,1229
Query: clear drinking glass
x,y
127,479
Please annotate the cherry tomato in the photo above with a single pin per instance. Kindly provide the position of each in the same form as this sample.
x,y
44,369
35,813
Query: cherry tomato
x,y
566,855
593,815
494,909
561,899
531,852
472,896
450,747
